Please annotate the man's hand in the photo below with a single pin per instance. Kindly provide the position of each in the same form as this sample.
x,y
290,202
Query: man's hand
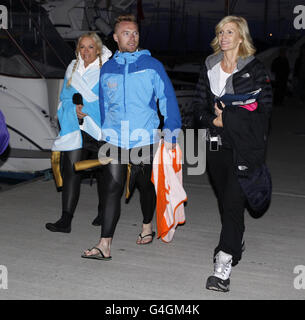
x,y
79,113
169,145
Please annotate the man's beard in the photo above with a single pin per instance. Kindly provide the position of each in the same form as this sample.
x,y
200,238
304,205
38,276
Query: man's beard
x,y
127,49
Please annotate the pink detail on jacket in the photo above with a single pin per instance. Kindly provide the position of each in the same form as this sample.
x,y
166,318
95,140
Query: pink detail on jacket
x,y
250,106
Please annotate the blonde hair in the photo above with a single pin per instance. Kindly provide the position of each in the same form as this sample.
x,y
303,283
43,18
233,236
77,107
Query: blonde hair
x,y
246,48
124,18
99,44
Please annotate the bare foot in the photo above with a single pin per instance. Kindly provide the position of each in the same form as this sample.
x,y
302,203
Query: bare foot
x,y
103,245
147,235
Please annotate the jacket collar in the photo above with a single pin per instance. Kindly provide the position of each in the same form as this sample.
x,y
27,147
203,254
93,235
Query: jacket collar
x,y
129,57
213,59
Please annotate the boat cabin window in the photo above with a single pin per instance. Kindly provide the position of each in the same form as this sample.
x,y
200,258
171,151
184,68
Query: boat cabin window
x,y
31,46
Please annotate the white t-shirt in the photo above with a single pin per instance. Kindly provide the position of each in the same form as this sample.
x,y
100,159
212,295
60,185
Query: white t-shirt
x,y
222,81
218,79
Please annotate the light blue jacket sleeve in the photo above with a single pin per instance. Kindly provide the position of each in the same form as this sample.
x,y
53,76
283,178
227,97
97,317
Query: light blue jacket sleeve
x,y
168,104
67,112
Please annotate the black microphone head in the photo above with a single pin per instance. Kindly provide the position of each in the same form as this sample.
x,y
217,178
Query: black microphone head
x,y
77,98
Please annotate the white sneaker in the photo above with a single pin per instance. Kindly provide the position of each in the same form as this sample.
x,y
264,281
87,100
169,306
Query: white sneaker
x,y
220,280
223,265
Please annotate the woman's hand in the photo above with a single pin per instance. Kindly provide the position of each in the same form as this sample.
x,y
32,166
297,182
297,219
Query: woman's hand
x,y
79,113
217,110
218,121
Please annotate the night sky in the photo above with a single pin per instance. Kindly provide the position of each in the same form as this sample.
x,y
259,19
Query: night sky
x,y
201,16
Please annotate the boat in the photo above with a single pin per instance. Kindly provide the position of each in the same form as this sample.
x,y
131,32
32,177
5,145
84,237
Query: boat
x,y
184,78
35,51
292,52
71,18
33,60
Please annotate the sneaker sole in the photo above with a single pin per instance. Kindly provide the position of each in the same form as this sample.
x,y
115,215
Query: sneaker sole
x,y
217,289
213,285
54,229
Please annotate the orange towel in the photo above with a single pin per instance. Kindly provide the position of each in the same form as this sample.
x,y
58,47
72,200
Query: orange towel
x,y
167,179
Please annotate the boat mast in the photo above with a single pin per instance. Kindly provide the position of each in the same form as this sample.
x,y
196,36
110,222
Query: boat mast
x,y
279,20
227,7
158,16
266,8
199,40
171,23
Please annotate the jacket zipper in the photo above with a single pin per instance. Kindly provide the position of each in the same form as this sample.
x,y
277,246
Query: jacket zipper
x,y
125,71
124,99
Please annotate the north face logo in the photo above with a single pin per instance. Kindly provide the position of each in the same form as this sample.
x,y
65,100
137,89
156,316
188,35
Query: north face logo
x,y
112,85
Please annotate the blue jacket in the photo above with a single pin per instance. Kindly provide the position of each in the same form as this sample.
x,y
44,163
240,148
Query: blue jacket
x,y
130,85
69,137
87,84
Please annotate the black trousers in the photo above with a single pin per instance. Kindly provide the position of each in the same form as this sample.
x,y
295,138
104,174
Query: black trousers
x,y
231,201
72,179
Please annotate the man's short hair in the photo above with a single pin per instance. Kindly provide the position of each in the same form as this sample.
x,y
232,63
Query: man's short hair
x,y
124,18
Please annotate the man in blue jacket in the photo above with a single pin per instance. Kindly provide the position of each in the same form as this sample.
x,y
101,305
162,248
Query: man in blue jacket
x,y
131,84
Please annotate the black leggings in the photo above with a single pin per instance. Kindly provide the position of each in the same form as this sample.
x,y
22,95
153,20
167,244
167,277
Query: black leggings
x,y
115,175
110,186
147,193
72,179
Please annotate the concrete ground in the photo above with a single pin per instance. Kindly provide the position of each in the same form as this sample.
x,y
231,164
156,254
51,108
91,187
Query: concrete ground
x,y
46,265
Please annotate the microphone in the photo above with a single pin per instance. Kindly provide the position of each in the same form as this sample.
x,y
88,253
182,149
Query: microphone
x,y
77,98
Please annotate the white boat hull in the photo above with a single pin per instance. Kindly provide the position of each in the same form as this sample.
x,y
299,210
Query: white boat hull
x,y
25,105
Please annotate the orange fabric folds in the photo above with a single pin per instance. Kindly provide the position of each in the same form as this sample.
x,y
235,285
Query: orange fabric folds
x,y
167,179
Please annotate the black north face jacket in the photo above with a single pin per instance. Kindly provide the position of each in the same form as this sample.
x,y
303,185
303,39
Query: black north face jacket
x,y
244,131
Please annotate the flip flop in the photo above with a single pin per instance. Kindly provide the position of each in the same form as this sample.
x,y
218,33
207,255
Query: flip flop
x,y
152,235
97,256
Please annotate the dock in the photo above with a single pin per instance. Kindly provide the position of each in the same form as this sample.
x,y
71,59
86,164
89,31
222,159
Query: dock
x,y
42,265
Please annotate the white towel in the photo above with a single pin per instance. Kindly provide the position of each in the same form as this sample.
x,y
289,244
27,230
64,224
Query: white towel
x,y
167,178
